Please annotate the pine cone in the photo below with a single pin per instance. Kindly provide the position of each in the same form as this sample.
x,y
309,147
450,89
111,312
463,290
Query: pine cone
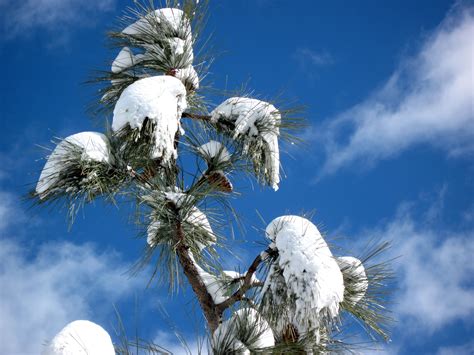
x,y
219,181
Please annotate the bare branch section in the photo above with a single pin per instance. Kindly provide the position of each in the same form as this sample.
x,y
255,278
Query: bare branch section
x,y
246,285
195,116
192,274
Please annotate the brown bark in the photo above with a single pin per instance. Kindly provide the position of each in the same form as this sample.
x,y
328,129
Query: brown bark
x,y
195,116
247,284
190,271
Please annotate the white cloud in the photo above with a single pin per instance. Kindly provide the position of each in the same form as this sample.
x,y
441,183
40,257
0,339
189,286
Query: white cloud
x,y
435,276
428,100
464,349
308,57
22,17
434,272
171,343
43,288
62,282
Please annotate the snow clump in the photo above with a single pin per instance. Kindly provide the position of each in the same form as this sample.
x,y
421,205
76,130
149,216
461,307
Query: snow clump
x,y
161,99
355,278
246,330
94,147
81,337
173,22
124,60
304,273
214,149
254,119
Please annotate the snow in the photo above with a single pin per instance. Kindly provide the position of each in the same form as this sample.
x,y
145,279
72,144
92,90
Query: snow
x,y
229,333
355,277
188,77
182,49
161,99
95,147
214,285
310,273
124,60
254,118
80,337
219,287
151,232
173,21
214,149
194,216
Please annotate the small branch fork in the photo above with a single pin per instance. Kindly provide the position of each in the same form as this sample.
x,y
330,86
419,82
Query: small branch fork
x,y
213,312
246,285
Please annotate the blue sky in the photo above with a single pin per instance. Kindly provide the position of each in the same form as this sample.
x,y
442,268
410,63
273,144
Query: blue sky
x,y
389,154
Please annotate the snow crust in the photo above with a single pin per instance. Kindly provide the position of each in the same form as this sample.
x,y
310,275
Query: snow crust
x,y
80,337
213,149
229,332
161,99
355,278
124,60
95,147
310,273
173,21
254,118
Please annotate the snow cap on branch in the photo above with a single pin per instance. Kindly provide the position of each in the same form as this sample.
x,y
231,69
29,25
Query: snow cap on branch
x,y
256,123
214,149
124,60
195,222
173,22
246,330
305,273
355,278
195,217
161,99
94,147
80,337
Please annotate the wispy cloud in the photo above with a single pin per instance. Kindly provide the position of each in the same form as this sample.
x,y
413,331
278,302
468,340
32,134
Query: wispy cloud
x,y
428,99
47,286
21,18
434,270
171,343
464,349
310,58
61,283
435,273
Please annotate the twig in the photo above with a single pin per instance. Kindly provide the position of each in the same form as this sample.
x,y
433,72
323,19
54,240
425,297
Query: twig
x,y
247,283
196,116
189,268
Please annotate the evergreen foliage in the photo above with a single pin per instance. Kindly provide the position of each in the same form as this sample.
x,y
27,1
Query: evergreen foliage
x,y
180,209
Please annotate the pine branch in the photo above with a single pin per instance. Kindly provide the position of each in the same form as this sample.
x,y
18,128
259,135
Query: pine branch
x,y
196,116
204,297
247,283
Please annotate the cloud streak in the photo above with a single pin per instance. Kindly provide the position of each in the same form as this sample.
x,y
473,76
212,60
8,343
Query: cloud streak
x,y
61,283
45,287
435,273
307,57
23,17
428,100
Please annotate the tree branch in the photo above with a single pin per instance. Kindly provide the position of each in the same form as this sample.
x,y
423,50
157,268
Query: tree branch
x,y
195,116
189,267
247,284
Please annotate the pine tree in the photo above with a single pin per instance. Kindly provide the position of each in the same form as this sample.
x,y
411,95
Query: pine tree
x,y
304,295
